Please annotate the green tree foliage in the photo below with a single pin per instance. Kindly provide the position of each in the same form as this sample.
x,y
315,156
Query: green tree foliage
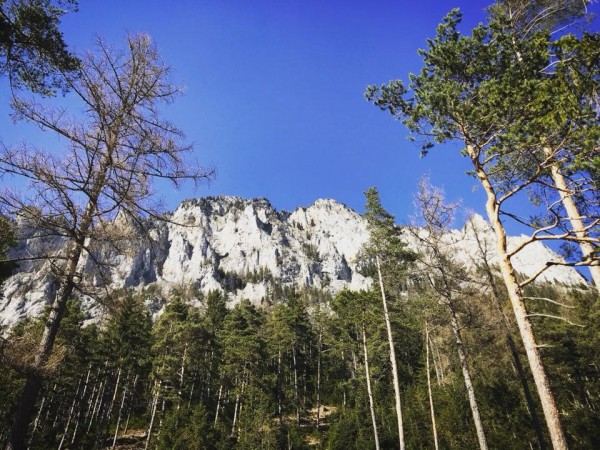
x,y
84,400
8,239
33,53
505,99
128,335
385,241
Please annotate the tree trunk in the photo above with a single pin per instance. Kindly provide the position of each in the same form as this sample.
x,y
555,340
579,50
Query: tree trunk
x,y
120,414
37,419
575,218
25,408
97,404
153,414
279,393
71,412
24,413
235,414
467,377
296,398
218,403
393,361
130,407
114,396
433,425
81,405
557,435
319,378
535,423
369,391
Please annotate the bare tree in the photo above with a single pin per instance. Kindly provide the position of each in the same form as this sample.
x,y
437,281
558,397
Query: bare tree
x,y
115,147
436,217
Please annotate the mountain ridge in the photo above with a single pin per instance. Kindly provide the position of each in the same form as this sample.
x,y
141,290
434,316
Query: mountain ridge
x,y
240,246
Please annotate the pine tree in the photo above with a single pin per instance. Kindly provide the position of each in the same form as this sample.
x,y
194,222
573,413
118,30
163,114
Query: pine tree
x,y
391,256
470,90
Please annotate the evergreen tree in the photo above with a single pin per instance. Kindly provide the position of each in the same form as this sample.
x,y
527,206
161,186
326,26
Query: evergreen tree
x,y
471,89
33,53
391,256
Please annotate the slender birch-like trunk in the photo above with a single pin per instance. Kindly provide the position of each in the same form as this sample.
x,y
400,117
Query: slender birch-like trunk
x,y
37,418
114,396
369,391
462,356
431,408
235,413
218,403
153,414
181,375
97,404
81,405
131,398
393,360
124,396
319,378
71,412
296,398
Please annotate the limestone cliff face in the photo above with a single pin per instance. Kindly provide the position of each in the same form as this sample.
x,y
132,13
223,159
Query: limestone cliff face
x,y
240,246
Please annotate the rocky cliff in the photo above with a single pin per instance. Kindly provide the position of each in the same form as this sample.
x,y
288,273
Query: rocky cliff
x,y
241,246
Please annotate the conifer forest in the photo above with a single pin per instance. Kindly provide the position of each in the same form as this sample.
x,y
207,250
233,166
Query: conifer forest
x,y
417,341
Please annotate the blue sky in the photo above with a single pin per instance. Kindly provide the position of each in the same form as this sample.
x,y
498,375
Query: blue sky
x,y
274,94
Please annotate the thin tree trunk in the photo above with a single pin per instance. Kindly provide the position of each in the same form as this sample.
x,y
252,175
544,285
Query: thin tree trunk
x,y
97,404
37,419
319,378
80,408
279,393
71,412
296,398
120,413
429,392
464,365
114,396
160,421
191,392
439,375
557,435
129,408
468,383
393,361
369,391
235,414
218,403
181,375
242,398
153,414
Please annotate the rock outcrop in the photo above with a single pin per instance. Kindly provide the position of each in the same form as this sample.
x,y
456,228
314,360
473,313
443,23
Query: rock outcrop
x,y
241,246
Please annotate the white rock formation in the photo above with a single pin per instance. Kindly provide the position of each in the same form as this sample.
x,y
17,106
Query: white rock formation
x,y
237,245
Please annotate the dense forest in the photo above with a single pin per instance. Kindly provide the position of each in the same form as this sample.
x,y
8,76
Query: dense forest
x,y
302,371
439,353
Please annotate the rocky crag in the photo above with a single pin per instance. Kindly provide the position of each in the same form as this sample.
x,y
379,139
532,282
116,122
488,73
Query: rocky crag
x,y
242,247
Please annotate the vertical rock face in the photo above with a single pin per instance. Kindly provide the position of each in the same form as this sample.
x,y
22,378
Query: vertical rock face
x,y
223,243
241,246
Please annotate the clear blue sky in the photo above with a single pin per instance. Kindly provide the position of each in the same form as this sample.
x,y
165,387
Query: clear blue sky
x,y
274,93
